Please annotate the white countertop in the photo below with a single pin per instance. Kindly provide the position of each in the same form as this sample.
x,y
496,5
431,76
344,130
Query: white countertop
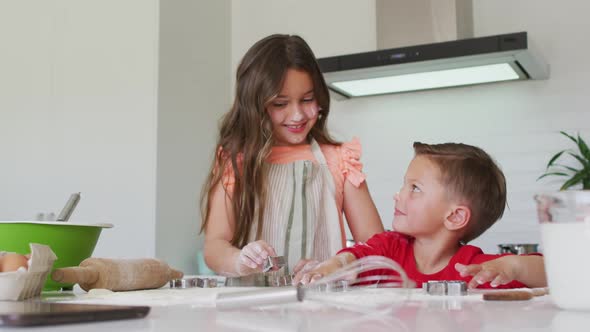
x,y
368,310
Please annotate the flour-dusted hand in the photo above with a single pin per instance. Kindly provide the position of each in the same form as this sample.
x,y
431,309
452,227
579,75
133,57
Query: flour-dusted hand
x,y
312,271
305,265
251,258
497,272
302,268
315,271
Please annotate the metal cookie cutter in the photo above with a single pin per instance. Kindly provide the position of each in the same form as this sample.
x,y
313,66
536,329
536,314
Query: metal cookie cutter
x,y
193,282
445,287
259,280
279,281
206,282
183,283
271,262
335,286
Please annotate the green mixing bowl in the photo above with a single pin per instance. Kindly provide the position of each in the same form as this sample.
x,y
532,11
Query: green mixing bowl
x,y
70,241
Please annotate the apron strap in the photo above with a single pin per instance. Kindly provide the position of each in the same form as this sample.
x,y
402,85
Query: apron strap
x,y
319,156
317,152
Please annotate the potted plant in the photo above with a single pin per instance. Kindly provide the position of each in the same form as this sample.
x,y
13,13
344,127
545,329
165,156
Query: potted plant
x,y
576,176
564,218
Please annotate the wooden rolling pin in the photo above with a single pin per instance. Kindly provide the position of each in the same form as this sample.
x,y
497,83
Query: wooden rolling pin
x,y
117,274
515,295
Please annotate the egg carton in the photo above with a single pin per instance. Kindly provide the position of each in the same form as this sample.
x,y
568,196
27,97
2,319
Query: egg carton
x,y
26,283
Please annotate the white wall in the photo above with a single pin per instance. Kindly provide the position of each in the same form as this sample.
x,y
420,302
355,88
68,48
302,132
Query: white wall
x,y
193,94
352,30
516,122
78,83
118,100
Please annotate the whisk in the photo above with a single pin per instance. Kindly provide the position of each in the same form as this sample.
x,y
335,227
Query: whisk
x,y
337,281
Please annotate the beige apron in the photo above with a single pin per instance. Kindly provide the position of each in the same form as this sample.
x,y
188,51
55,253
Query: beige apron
x,y
301,218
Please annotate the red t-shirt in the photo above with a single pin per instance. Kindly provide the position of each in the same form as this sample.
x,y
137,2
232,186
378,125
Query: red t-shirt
x,y
399,247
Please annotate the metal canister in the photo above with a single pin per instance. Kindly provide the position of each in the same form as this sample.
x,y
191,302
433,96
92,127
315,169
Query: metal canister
x,y
518,248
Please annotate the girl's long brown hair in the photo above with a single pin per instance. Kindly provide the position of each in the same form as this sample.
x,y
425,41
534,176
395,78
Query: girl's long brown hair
x,y
246,129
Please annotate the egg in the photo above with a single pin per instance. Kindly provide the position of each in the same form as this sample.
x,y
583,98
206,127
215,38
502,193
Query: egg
x,y
11,262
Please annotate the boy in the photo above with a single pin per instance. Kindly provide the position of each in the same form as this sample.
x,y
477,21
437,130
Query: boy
x,y
451,194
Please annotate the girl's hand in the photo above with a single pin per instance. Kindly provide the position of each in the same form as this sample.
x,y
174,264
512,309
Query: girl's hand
x,y
251,258
315,272
305,265
499,271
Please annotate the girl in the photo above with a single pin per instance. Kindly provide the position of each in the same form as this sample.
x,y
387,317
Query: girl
x,y
279,183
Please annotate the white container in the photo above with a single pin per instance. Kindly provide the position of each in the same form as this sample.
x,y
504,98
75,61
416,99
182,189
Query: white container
x,y
565,233
23,284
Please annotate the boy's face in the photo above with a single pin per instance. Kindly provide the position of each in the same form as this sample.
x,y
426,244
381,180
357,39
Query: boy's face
x,y
422,204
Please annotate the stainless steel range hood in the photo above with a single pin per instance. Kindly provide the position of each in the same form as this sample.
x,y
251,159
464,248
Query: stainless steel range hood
x,y
435,65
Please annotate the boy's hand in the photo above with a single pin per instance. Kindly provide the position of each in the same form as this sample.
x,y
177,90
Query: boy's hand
x,y
499,271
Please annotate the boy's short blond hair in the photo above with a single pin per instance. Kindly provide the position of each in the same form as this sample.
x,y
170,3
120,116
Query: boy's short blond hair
x,y
470,175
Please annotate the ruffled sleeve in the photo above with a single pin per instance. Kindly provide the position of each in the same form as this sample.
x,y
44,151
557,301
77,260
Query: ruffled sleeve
x,y
351,166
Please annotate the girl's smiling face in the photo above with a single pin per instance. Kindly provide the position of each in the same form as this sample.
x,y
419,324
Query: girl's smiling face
x,y
294,111
422,203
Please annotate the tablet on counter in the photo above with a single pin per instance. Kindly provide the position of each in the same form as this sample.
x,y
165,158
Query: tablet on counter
x,y
35,313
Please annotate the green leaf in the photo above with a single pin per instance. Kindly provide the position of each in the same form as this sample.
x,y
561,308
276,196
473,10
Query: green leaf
x,y
554,158
583,148
568,168
569,136
583,161
552,173
576,176
574,180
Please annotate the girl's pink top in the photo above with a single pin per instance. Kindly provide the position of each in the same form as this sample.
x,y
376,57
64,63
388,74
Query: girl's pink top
x,y
343,162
